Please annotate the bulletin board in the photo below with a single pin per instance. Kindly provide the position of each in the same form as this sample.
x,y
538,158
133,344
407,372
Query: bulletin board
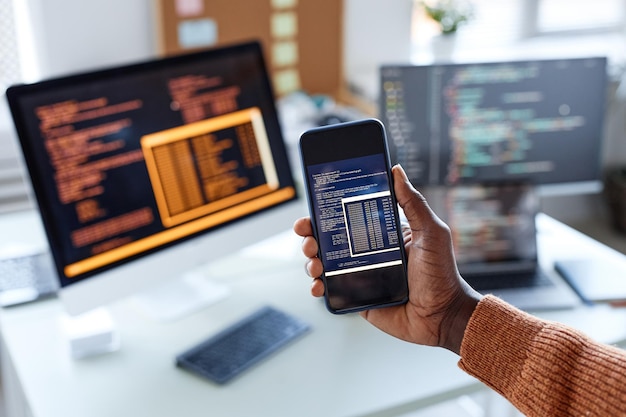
x,y
302,39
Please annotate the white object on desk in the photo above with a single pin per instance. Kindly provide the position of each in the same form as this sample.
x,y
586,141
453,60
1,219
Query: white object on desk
x,y
595,280
91,333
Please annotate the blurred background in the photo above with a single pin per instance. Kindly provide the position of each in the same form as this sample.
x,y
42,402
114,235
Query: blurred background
x,y
323,54
324,57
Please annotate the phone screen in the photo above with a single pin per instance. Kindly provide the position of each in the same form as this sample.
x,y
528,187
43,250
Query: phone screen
x,y
354,215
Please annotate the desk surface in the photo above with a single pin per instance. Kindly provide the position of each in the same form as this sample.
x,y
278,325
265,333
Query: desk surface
x,y
344,367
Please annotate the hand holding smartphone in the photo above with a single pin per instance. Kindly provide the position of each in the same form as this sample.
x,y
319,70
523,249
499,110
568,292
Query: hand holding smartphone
x,y
355,215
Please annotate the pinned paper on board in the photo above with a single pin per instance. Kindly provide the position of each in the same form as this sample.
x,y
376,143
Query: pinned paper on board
x,y
285,54
287,81
284,25
284,4
197,33
189,8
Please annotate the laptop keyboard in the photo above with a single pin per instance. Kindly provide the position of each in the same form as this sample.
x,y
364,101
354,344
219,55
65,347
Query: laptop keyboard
x,y
511,280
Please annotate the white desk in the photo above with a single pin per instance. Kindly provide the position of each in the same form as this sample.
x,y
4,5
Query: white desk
x,y
344,367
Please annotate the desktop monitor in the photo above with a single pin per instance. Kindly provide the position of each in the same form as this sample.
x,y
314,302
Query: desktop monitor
x,y
537,121
145,171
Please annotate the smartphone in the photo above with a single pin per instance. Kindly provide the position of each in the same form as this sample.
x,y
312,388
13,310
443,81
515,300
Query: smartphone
x,y
355,215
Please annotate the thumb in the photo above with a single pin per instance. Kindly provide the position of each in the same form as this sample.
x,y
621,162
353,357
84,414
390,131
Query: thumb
x,y
413,203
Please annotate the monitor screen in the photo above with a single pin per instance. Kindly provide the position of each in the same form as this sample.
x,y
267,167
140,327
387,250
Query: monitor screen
x,y
130,161
537,121
493,227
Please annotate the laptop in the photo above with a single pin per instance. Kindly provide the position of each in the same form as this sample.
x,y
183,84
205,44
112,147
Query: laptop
x,y
495,243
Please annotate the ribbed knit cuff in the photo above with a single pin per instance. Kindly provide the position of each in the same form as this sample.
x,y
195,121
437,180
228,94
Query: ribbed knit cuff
x,y
544,368
497,327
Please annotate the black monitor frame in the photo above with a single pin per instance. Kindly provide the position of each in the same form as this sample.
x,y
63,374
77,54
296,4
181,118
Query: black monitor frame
x,y
57,217
416,103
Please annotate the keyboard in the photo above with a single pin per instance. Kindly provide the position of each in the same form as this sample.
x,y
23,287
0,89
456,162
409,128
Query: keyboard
x,y
25,278
510,280
242,345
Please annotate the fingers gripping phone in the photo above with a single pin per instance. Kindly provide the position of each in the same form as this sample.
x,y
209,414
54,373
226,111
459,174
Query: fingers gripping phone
x,y
355,215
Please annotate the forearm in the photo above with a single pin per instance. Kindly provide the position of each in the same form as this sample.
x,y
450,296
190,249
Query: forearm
x,y
542,368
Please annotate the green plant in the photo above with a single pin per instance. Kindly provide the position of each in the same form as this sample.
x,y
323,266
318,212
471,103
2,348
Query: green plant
x,y
449,14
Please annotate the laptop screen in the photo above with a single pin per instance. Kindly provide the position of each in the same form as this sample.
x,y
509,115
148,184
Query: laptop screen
x,y
493,227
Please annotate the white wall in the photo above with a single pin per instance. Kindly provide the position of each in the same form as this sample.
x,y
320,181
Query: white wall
x,y
376,31
76,35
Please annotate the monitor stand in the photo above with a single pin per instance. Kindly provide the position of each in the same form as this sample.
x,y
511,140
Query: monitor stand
x,y
178,298
94,332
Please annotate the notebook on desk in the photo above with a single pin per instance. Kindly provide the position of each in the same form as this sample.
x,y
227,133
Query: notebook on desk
x,y
495,243
595,280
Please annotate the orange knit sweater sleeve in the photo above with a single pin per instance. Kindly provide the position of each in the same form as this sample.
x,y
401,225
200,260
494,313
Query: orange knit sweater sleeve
x,y
543,368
